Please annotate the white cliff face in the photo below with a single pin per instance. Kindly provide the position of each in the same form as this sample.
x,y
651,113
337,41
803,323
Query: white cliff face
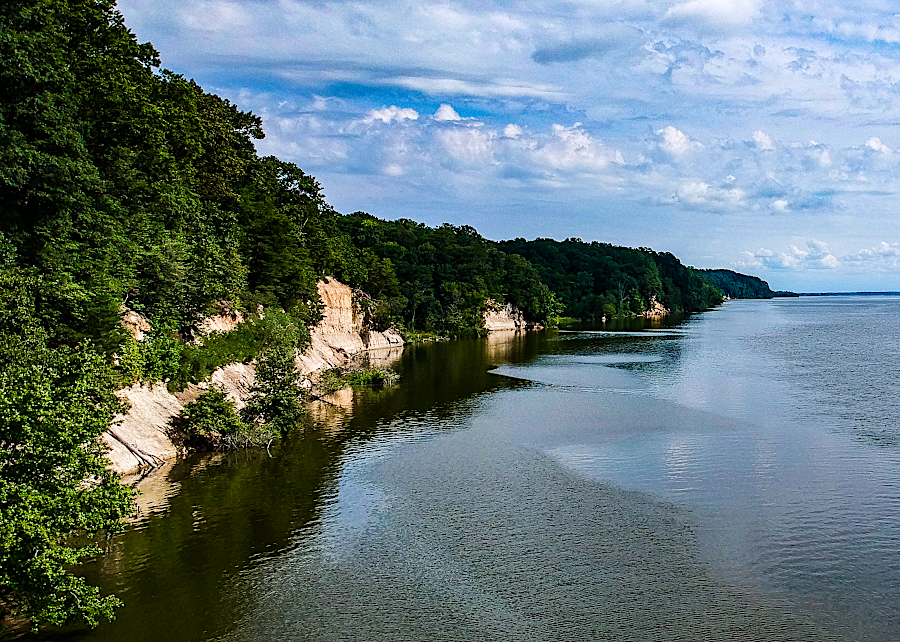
x,y
342,332
142,437
505,317
656,309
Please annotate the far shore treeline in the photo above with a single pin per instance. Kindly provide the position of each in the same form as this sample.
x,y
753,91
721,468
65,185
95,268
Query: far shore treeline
x,y
127,186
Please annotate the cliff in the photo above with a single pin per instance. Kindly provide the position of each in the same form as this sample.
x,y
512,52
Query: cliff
x,y
506,317
656,309
142,436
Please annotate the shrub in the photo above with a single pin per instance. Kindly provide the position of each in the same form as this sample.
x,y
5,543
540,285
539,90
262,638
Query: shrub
x,y
213,420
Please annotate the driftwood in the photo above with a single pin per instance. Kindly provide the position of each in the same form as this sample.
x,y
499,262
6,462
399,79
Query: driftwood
x,y
145,458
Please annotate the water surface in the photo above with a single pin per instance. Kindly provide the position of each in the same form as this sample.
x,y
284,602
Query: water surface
x,y
731,477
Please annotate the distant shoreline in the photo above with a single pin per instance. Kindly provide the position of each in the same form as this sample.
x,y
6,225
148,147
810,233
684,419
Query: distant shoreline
x,y
892,293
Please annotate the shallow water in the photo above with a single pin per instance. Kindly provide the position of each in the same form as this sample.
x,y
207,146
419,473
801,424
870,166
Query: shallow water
x,y
733,477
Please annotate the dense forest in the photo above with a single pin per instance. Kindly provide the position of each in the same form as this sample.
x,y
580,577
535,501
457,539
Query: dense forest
x,y
124,186
739,286
595,279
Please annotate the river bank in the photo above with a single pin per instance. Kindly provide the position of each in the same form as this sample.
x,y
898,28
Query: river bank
x,y
143,437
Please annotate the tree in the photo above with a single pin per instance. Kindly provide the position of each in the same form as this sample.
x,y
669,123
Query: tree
x,y
54,480
276,400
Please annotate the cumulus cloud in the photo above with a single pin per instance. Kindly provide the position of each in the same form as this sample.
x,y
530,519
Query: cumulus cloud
x,y
875,144
883,257
388,115
512,131
572,148
698,193
763,141
676,142
816,256
446,112
469,145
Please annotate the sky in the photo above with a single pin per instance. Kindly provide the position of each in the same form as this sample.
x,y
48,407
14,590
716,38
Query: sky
x,y
757,136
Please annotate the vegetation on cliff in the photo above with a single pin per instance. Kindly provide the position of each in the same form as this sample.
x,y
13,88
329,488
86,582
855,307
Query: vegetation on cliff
x,y
444,275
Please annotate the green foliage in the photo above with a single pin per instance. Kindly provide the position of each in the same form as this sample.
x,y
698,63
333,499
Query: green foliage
x,y
212,421
54,480
162,356
276,400
335,379
738,286
597,279
443,275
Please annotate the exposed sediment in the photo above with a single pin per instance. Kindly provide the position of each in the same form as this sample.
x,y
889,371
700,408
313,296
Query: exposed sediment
x,y
142,436
655,310
500,317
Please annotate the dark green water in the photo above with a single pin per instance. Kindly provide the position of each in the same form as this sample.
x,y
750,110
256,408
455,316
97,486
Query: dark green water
x,y
733,477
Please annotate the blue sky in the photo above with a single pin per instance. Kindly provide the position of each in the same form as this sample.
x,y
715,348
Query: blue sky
x,y
758,136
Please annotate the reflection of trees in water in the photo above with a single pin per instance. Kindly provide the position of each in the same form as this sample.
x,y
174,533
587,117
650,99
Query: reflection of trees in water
x,y
210,515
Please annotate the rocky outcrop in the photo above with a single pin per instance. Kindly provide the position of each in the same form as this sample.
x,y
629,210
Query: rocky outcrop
x,y
226,321
506,317
342,332
141,438
134,323
656,309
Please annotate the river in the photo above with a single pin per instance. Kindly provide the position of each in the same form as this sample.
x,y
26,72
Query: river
x,y
732,476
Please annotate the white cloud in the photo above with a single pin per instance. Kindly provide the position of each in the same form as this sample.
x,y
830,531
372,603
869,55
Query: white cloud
x,y
675,141
876,144
763,141
572,148
815,257
446,112
470,145
704,194
495,89
884,257
512,131
387,115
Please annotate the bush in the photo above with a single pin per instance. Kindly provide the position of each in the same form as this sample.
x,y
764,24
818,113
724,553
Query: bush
x,y
371,376
212,419
334,379
162,356
54,480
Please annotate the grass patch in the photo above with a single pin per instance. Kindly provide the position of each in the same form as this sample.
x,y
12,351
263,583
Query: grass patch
x,y
370,376
421,336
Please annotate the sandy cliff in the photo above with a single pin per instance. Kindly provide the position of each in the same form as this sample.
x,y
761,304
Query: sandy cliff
x,y
656,309
506,317
141,438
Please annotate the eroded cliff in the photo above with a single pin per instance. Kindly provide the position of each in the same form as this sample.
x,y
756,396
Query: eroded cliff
x,y
141,437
